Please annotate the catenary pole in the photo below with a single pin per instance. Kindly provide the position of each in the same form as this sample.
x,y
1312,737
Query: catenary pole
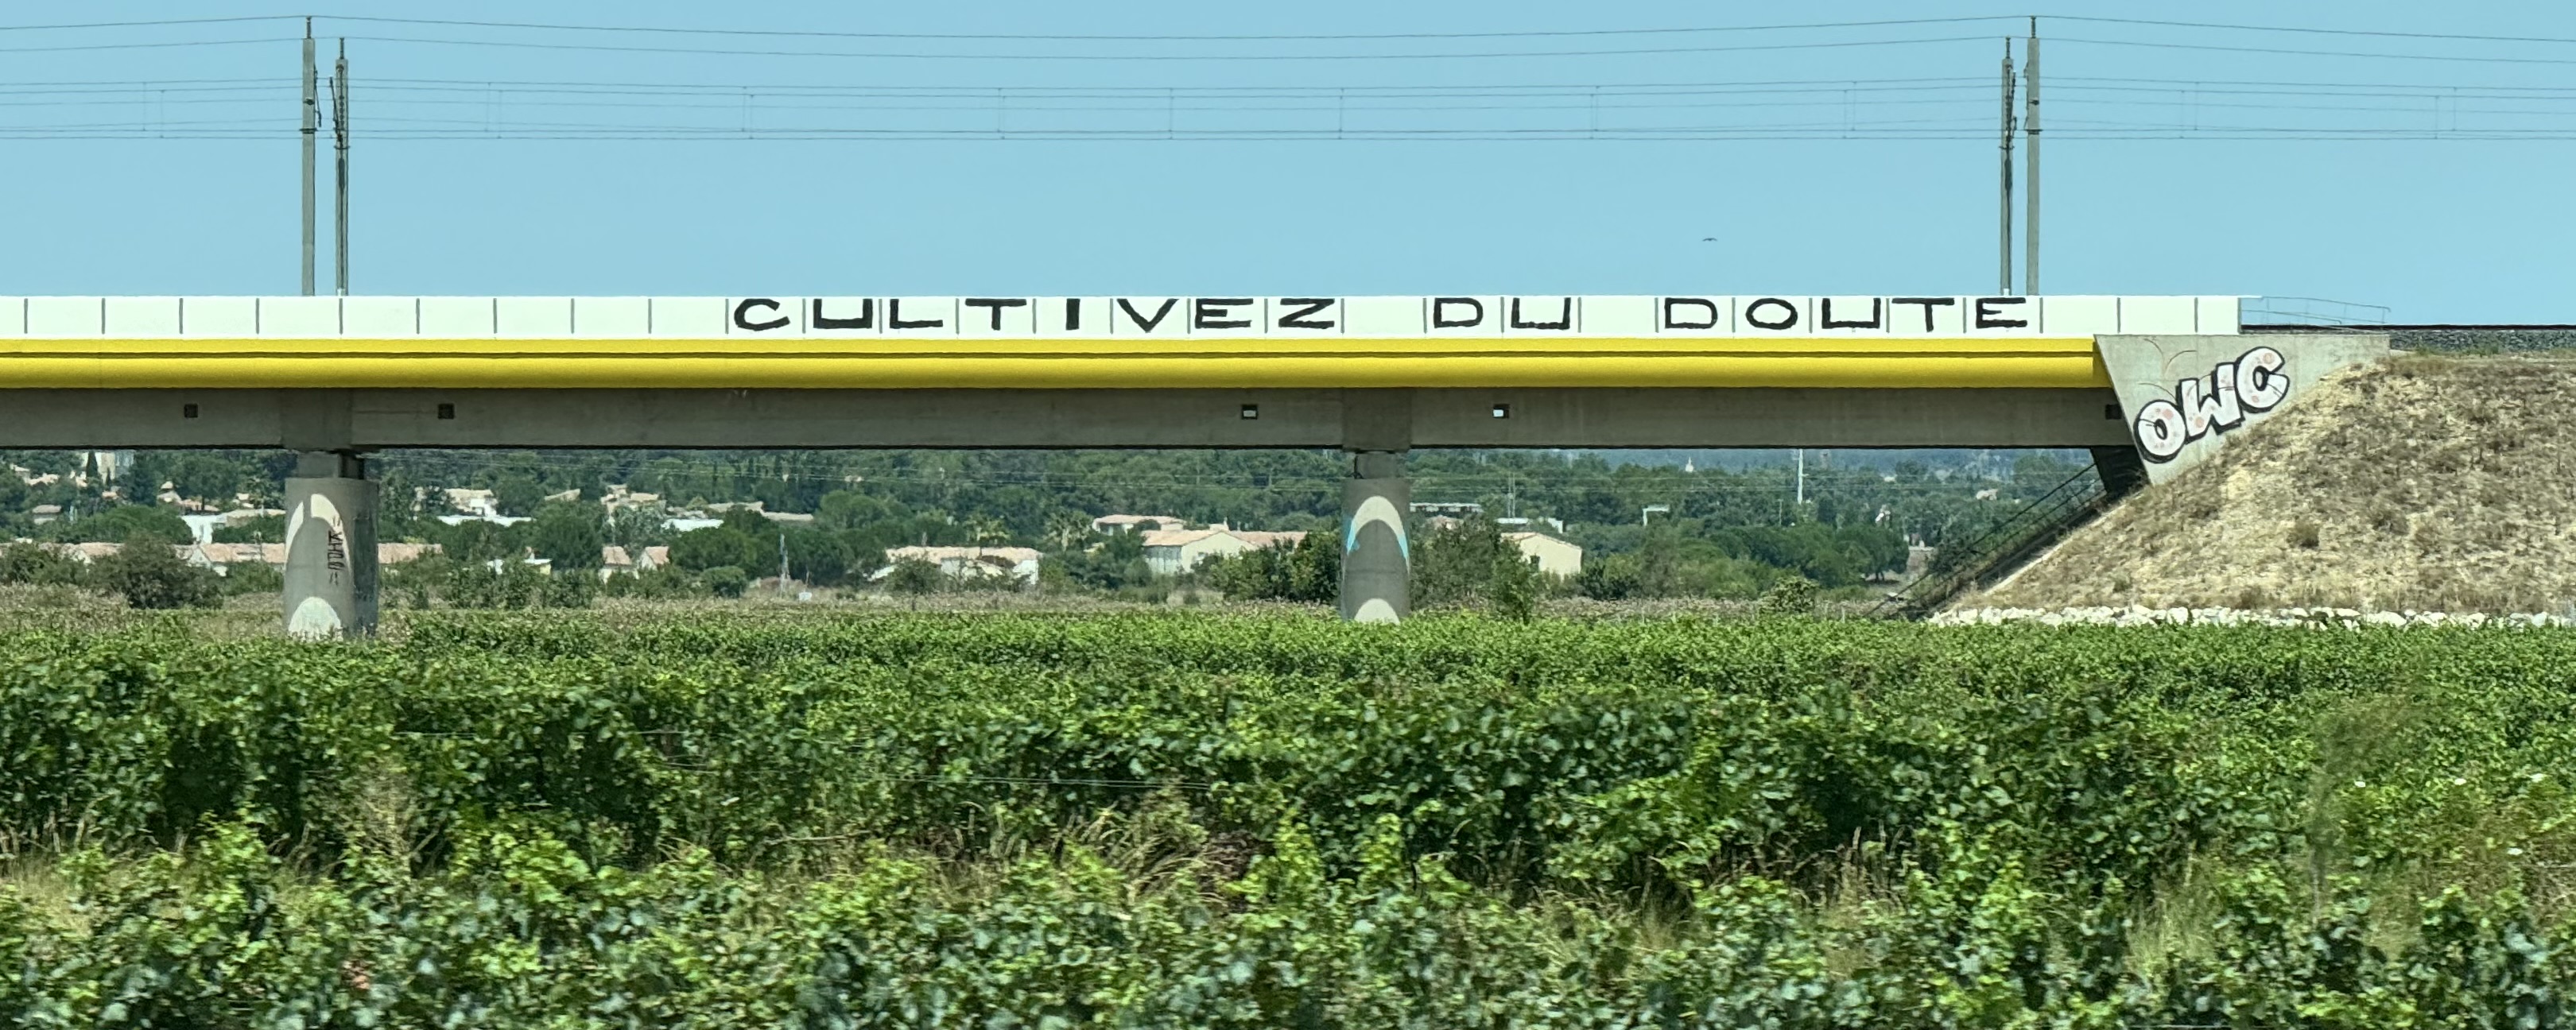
x,y
2004,248
312,119
340,172
2030,190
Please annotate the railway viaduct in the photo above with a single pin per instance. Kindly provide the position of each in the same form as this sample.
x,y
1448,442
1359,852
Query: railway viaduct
x,y
2148,384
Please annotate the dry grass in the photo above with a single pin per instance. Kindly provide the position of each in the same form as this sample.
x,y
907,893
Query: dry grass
x,y
2427,484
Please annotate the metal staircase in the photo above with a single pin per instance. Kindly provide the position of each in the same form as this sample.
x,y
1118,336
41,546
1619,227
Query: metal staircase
x,y
2013,542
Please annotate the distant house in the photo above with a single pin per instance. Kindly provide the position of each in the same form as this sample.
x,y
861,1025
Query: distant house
x,y
968,563
1555,557
83,553
1453,509
471,501
624,561
1256,539
222,557
495,519
47,513
1137,523
398,553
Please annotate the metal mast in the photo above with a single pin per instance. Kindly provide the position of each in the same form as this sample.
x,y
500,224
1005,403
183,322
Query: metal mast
x,y
312,116
2030,124
340,172
2004,247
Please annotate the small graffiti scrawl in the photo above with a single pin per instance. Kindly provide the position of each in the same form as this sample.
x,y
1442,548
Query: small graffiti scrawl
x,y
2254,383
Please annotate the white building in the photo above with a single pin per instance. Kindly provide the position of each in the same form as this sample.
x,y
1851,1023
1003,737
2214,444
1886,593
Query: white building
x,y
1173,552
1137,523
1555,557
968,563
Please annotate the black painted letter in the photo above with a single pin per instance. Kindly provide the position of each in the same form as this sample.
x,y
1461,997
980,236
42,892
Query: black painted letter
x,y
1825,315
1788,318
1989,318
1672,314
1303,317
1564,316
996,304
1211,312
742,315
1927,303
867,316
1141,321
895,319
1440,312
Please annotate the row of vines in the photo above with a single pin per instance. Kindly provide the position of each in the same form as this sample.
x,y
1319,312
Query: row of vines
x,y
1200,821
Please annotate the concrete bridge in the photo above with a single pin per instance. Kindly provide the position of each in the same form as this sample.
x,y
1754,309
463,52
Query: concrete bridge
x,y
2147,383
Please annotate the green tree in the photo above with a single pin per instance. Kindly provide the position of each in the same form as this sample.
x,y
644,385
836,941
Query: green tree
x,y
701,549
568,535
149,574
207,477
816,557
1514,587
253,577
28,563
915,576
1456,565
1613,578
518,495
850,509
266,529
725,580
126,523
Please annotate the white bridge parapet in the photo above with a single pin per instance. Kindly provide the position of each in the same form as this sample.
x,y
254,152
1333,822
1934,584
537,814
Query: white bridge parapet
x,y
1471,316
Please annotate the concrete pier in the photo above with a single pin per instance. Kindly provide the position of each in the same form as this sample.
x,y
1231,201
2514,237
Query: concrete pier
x,y
1377,560
330,547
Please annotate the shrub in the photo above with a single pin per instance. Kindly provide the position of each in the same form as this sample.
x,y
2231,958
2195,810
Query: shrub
x,y
252,577
725,580
29,563
1613,578
915,576
150,575
1792,595
573,589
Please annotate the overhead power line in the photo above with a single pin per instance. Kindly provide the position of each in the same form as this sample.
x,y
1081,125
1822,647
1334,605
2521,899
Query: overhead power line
x,y
2284,51
897,55
150,23
2308,30
1171,38
164,44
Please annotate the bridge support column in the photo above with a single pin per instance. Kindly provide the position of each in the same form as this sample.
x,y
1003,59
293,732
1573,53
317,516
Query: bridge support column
x,y
330,547
1377,561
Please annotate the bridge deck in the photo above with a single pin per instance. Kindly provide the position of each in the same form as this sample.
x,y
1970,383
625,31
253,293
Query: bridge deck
x,y
2067,362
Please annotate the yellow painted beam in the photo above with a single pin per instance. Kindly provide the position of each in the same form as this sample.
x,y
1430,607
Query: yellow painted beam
x,y
1101,363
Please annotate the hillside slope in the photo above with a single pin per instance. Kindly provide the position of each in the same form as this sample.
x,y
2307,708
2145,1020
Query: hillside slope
x,y
2427,483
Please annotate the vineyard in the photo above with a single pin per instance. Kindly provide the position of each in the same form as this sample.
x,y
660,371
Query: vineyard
x,y
1161,820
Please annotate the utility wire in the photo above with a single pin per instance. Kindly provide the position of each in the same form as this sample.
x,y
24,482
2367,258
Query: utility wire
x,y
2384,33
2281,51
143,46
710,51
154,22
1250,37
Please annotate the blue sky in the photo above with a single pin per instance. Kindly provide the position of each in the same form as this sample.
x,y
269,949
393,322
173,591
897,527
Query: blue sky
x,y
2449,228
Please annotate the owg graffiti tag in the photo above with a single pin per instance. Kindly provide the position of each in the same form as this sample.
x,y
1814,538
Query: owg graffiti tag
x,y
2256,382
